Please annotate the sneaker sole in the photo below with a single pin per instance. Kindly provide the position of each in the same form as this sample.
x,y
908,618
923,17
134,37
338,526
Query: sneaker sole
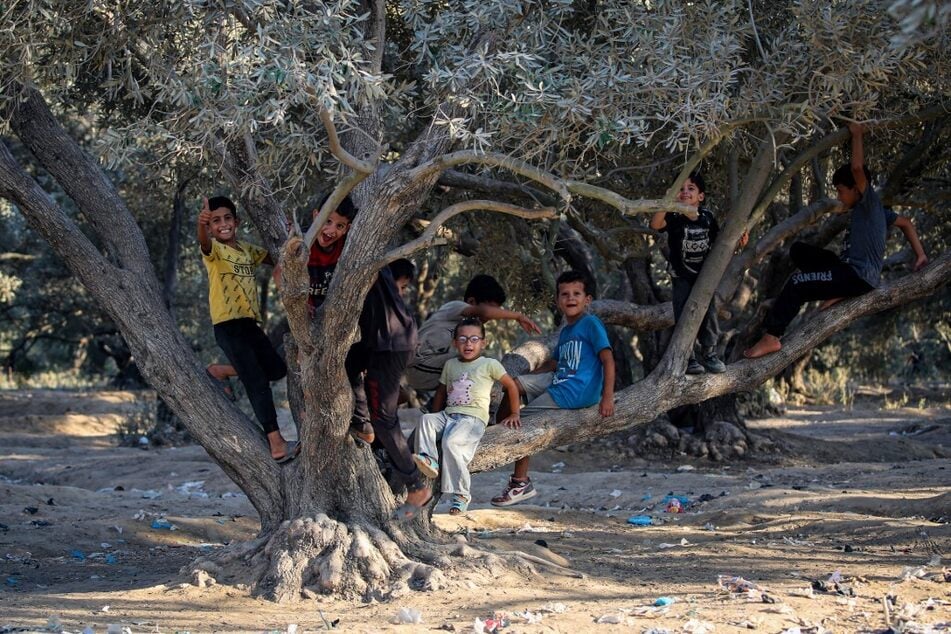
x,y
521,498
424,468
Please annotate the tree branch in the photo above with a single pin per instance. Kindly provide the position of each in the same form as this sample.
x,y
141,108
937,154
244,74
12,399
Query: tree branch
x,y
430,233
47,219
564,188
645,400
338,151
78,174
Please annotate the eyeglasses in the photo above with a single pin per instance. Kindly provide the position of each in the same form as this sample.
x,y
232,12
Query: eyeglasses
x,y
462,339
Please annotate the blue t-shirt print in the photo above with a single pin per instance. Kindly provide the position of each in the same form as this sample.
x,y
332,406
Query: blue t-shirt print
x,y
579,379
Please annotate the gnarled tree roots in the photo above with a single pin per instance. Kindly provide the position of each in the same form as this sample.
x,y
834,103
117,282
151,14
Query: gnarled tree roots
x,y
320,555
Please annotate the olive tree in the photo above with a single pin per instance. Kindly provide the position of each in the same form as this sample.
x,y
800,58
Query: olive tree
x,y
385,99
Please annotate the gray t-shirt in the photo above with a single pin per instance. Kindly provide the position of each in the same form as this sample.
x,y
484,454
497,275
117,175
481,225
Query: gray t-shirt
x,y
864,245
435,346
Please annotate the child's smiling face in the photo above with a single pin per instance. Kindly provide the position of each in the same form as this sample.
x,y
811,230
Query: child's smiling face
x,y
223,225
690,194
572,300
333,230
469,349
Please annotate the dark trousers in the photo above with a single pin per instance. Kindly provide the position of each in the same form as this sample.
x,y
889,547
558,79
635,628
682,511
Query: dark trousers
x,y
709,327
375,379
821,275
257,364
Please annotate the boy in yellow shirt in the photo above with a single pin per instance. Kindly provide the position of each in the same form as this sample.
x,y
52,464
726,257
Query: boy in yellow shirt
x,y
235,313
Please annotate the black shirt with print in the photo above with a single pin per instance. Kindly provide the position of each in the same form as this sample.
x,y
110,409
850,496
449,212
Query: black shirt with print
x,y
690,241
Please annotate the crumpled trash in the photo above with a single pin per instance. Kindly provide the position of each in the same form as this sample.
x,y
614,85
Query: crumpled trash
x,y
612,618
693,626
735,584
163,525
616,493
78,555
664,601
834,584
554,608
686,467
491,625
530,618
407,615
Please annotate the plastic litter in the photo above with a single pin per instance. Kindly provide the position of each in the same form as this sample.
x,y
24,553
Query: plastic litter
x,y
530,618
610,618
407,615
735,584
12,582
664,601
162,525
78,555
491,625
118,629
686,467
616,493
693,626
554,608
640,520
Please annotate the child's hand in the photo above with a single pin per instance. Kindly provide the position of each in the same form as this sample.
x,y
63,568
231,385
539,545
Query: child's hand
x,y
204,216
606,408
512,421
920,262
528,325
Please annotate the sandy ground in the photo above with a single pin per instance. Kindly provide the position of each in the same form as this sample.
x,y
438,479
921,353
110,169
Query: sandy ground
x,y
862,497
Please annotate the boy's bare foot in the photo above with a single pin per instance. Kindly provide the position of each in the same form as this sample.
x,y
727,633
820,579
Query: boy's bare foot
x,y
767,344
277,444
829,303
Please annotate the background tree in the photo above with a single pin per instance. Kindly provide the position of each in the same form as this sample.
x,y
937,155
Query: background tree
x,y
595,110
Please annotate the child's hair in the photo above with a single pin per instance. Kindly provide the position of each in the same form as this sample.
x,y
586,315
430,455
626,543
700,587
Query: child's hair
x,y
346,208
469,321
697,179
575,276
222,201
843,176
484,288
402,268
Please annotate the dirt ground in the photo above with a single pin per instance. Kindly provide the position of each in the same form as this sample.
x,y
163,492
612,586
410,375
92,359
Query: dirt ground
x,y
846,530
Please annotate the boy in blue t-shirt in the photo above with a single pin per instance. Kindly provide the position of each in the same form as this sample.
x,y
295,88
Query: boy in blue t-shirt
x,y
582,375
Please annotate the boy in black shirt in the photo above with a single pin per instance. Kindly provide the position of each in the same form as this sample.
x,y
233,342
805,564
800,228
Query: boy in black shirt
x,y
689,242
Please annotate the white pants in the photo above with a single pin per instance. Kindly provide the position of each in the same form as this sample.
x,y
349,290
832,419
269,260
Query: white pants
x,y
459,436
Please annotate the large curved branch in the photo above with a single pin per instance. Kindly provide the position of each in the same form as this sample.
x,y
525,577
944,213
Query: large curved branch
x,y
360,170
645,400
348,159
78,174
431,232
47,219
564,188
